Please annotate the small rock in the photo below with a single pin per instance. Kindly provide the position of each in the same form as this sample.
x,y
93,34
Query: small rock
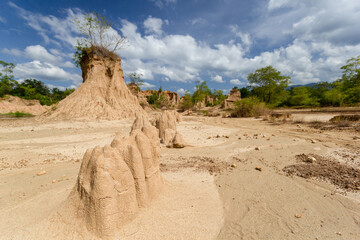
x,y
268,139
313,141
258,168
257,148
41,173
310,159
245,134
298,215
239,138
209,138
233,165
273,135
339,233
53,181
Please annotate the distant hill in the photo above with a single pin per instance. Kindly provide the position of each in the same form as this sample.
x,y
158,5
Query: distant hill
x,y
306,85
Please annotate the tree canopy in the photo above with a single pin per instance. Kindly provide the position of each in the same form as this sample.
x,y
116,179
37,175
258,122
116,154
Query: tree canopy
x,y
268,83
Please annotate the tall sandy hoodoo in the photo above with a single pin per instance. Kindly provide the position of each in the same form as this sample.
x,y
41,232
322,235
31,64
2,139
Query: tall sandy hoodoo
x,y
102,95
116,180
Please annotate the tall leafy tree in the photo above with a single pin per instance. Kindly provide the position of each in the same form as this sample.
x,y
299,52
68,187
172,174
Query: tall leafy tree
x,y
7,81
301,96
268,84
351,80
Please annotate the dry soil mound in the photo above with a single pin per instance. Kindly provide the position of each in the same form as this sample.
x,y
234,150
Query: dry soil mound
x,y
15,104
116,180
103,94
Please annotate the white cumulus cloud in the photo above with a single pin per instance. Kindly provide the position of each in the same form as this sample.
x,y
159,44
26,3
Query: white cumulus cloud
x,y
45,72
181,91
237,82
14,52
153,25
217,79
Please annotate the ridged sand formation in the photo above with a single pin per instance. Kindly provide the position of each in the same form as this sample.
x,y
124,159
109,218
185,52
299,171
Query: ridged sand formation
x,y
116,180
166,123
102,95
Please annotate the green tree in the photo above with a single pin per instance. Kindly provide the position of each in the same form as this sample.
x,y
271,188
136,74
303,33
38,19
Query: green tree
x,y
351,80
245,92
219,97
186,102
333,97
7,81
201,91
301,96
269,84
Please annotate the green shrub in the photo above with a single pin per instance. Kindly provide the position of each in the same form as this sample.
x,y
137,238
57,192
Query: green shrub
x,y
249,107
157,100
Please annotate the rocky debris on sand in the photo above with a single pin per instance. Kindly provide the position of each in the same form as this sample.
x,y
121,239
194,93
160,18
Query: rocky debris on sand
x,y
102,95
325,168
258,168
166,123
116,180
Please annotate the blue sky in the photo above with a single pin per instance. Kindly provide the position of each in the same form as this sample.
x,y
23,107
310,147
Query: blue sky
x,y
175,43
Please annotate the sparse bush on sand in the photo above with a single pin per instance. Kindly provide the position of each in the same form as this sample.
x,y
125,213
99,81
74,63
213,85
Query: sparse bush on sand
x,y
249,107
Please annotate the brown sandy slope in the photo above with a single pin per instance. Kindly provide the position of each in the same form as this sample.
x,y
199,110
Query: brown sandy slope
x,y
103,94
237,202
15,104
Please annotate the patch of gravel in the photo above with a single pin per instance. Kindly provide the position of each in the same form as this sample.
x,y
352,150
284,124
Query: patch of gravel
x,y
325,168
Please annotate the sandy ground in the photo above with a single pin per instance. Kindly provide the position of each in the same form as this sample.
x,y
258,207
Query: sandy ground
x,y
204,197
